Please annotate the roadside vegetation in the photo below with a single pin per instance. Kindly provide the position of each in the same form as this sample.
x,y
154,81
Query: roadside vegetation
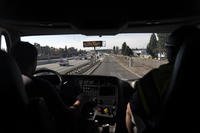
x,y
46,52
155,47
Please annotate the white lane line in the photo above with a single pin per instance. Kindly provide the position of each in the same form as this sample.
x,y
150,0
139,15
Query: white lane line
x,y
113,74
116,75
128,69
120,76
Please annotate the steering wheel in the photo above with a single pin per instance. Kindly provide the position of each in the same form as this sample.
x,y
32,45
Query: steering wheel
x,y
42,71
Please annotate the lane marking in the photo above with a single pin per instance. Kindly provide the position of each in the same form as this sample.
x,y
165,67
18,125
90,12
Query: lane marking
x,y
128,69
119,75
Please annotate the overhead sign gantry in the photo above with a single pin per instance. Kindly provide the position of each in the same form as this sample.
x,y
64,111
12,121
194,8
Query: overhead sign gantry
x,y
93,44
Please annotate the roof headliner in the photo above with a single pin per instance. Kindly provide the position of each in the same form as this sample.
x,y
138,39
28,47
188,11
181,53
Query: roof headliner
x,y
96,19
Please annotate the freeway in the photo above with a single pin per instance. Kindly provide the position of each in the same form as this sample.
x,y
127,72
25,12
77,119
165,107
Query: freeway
x,y
62,69
110,67
43,62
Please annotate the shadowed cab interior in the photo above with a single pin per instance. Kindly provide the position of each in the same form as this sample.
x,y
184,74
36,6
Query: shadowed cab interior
x,y
77,66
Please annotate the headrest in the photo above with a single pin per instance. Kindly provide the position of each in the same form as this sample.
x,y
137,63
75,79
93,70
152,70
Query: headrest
x,y
177,37
11,85
183,89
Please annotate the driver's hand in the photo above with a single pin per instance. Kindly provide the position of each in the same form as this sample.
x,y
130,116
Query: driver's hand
x,y
82,99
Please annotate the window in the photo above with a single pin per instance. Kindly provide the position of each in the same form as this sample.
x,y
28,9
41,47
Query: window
x,y
3,43
62,53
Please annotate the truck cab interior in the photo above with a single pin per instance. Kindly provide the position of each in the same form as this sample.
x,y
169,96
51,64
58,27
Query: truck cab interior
x,y
107,95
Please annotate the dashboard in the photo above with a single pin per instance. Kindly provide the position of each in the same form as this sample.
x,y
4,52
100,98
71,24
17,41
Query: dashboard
x,y
105,107
103,96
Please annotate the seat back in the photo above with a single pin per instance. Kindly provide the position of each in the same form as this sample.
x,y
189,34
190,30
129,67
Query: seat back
x,y
180,108
13,98
17,112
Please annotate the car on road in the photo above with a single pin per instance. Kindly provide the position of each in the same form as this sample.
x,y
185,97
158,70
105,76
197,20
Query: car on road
x,y
63,62
108,86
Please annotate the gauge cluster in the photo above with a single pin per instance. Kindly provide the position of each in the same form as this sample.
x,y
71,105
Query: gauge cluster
x,y
104,94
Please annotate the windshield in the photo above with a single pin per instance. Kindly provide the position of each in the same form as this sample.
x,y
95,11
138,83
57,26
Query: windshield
x,y
126,56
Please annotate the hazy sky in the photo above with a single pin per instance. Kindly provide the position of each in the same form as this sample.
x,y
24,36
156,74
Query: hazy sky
x,y
60,41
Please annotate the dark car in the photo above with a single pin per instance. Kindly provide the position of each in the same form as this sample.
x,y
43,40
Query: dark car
x,y
63,62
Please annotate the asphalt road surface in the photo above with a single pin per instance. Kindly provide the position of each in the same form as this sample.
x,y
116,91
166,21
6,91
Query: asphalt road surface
x,y
110,67
60,69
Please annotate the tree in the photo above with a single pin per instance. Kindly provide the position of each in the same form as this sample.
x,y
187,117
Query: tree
x,y
65,52
124,48
81,52
162,37
129,51
45,52
114,49
72,52
152,46
117,49
38,47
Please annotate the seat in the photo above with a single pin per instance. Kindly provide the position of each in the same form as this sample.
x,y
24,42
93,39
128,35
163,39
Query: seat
x,y
13,98
180,112
18,113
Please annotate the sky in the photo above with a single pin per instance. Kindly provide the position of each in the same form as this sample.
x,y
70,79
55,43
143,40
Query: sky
x,y
133,40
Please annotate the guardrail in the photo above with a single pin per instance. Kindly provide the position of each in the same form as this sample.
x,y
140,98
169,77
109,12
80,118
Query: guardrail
x,y
80,69
43,62
92,69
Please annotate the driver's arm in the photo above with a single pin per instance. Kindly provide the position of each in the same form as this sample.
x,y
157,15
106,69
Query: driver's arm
x,y
130,122
134,107
76,104
81,99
